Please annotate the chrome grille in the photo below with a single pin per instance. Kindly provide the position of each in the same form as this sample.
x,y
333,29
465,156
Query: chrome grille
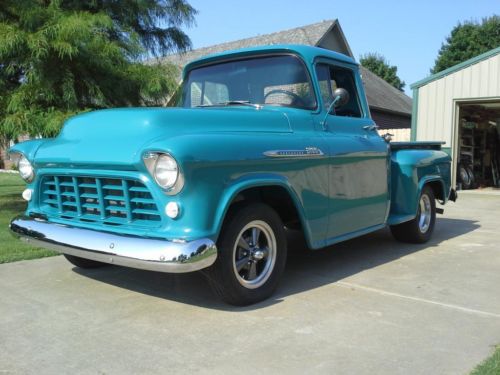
x,y
110,201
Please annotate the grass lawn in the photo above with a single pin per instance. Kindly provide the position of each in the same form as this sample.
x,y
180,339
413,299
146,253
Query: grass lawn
x,y
491,366
12,204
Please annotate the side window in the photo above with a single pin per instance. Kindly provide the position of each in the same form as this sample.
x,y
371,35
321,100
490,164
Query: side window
x,y
332,77
323,73
208,93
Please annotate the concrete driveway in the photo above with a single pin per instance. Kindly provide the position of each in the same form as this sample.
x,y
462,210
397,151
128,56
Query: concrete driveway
x,y
367,306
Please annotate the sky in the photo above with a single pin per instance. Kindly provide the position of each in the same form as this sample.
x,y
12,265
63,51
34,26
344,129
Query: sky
x,y
408,33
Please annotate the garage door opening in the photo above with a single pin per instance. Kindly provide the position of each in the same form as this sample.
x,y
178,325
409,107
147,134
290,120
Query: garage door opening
x,y
479,146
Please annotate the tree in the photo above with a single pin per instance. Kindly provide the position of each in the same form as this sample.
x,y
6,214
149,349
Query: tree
x,y
378,65
61,57
468,40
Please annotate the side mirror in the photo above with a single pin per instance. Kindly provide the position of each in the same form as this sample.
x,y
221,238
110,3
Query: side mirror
x,y
340,97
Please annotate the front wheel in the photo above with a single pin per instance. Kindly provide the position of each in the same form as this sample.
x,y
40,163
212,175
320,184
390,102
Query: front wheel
x,y
419,230
251,255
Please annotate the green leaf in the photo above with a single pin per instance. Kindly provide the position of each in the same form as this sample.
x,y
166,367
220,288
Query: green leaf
x,y
59,58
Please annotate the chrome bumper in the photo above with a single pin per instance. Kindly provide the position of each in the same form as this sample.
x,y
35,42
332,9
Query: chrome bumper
x,y
129,251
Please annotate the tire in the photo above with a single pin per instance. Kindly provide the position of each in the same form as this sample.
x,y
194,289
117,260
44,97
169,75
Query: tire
x,y
465,177
84,263
472,178
419,230
251,255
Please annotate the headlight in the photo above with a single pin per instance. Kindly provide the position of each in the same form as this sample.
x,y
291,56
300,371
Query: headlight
x,y
25,168
165,170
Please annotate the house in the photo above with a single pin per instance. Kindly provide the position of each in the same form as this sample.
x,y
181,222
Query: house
x,y
389,107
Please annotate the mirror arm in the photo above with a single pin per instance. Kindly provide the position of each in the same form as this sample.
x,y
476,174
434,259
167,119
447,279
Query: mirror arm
x,y
330,108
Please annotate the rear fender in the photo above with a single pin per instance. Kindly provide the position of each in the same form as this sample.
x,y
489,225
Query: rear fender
x,y
435,180
411,170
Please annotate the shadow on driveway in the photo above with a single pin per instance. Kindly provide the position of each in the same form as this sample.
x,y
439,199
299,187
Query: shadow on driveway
x,y
306,270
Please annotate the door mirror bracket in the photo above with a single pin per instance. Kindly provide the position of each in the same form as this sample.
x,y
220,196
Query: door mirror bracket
x,y
340,98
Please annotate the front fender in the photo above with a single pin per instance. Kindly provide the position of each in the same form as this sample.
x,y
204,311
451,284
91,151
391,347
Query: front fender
x,y
218,166
253,181
28,148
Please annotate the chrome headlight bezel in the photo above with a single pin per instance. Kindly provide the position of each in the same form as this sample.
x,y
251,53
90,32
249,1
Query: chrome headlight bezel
x,y
24,166
154,161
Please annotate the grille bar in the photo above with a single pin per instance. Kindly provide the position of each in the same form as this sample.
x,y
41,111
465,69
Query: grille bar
x,y
77,196
100,199
126,197
58,194
107,201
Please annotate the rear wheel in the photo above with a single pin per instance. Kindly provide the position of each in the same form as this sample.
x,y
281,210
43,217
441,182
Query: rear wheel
x,y
419,230
251,255
84,263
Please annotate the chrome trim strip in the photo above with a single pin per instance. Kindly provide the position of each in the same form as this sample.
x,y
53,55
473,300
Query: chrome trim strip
x,y
129,251
308,152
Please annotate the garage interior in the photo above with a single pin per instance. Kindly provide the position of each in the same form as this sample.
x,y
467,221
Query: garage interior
x,y
479,146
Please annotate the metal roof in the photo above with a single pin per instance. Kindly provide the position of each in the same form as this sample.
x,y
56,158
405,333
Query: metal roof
x,y
456,68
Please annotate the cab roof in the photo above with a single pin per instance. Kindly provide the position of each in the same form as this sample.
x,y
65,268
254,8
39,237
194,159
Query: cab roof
x,y
308,54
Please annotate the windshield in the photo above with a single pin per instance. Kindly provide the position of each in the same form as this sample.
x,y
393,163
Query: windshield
x,y
272,80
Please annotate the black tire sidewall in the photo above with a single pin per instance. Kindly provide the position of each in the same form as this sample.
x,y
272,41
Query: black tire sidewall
x,y
466,183
472,179
410,230
222,276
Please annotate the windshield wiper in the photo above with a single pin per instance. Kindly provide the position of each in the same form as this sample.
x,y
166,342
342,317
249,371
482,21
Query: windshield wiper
x,y
232,102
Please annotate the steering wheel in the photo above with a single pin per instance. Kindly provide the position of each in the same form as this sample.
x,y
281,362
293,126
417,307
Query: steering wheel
x,y
297,100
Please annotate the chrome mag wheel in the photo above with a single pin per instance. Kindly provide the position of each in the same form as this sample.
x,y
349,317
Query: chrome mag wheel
x,y
425,213
254,254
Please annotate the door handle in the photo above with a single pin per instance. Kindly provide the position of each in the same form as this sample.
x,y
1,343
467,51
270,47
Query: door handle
x,y
370,127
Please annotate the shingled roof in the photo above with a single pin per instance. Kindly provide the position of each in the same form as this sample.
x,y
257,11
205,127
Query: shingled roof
x,y
383,96
326,34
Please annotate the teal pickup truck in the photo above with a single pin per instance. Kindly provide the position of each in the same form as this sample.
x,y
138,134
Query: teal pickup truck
x,y
262,140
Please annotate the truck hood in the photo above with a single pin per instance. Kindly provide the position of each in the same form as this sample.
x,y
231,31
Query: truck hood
x,y
118,137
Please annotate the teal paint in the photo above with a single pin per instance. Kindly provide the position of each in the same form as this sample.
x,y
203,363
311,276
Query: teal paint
x,y
447,150
410,170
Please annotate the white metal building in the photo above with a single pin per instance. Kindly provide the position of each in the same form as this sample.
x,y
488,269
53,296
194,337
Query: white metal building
x,y
461,106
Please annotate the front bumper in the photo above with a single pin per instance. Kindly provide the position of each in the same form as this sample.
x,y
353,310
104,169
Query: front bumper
x,y
129,251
